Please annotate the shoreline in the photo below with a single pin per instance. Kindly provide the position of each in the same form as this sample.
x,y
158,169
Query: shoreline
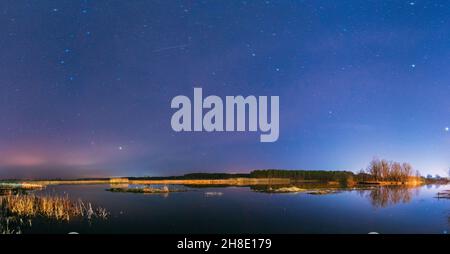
x,y
36,184
231,181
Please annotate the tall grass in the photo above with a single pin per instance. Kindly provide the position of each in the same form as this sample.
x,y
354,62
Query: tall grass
x,y
53,207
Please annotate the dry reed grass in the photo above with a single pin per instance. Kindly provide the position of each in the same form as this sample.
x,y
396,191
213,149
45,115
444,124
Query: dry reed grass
x,y
52,207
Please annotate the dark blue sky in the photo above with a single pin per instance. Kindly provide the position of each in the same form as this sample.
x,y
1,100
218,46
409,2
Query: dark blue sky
x,y
85,86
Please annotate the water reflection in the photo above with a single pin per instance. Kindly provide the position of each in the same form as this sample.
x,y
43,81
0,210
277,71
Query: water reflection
x,y
379,196
229,209
384,196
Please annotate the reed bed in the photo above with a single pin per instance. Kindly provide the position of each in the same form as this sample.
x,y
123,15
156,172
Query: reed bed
x,y
60,208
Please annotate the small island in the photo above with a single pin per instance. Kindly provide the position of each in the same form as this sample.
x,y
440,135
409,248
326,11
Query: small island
x,y
146,190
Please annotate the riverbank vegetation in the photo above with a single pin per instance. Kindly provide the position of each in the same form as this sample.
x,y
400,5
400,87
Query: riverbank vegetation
x,y
390,171
18,211
194,176
378,172
332,177
52,207
11,188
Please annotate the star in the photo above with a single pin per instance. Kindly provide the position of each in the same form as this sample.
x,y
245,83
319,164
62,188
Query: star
x,y
120,148
413,66
447,129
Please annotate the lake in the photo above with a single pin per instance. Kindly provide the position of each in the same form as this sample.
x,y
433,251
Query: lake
x,y
244,210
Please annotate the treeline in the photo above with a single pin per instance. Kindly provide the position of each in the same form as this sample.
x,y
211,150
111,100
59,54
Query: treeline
x,y
202,176
318,175
378,170
383,170
193,176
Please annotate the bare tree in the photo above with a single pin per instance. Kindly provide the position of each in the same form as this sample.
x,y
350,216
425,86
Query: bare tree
x,y
385,168
382,170
407,171
396,171
375,169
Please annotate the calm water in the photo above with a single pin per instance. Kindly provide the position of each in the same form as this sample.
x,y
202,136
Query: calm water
x,y
242,210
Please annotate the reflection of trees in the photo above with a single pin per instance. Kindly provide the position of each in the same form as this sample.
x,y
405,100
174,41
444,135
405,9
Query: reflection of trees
x,y
384,196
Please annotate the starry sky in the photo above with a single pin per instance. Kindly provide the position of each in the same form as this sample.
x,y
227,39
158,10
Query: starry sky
x,y
85,86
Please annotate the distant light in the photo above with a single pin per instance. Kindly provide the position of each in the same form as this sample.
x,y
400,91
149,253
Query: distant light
x,y
412,3
413,65
120,148
447,129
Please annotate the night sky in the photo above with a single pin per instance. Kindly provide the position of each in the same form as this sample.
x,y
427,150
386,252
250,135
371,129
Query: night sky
x,y
85,86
